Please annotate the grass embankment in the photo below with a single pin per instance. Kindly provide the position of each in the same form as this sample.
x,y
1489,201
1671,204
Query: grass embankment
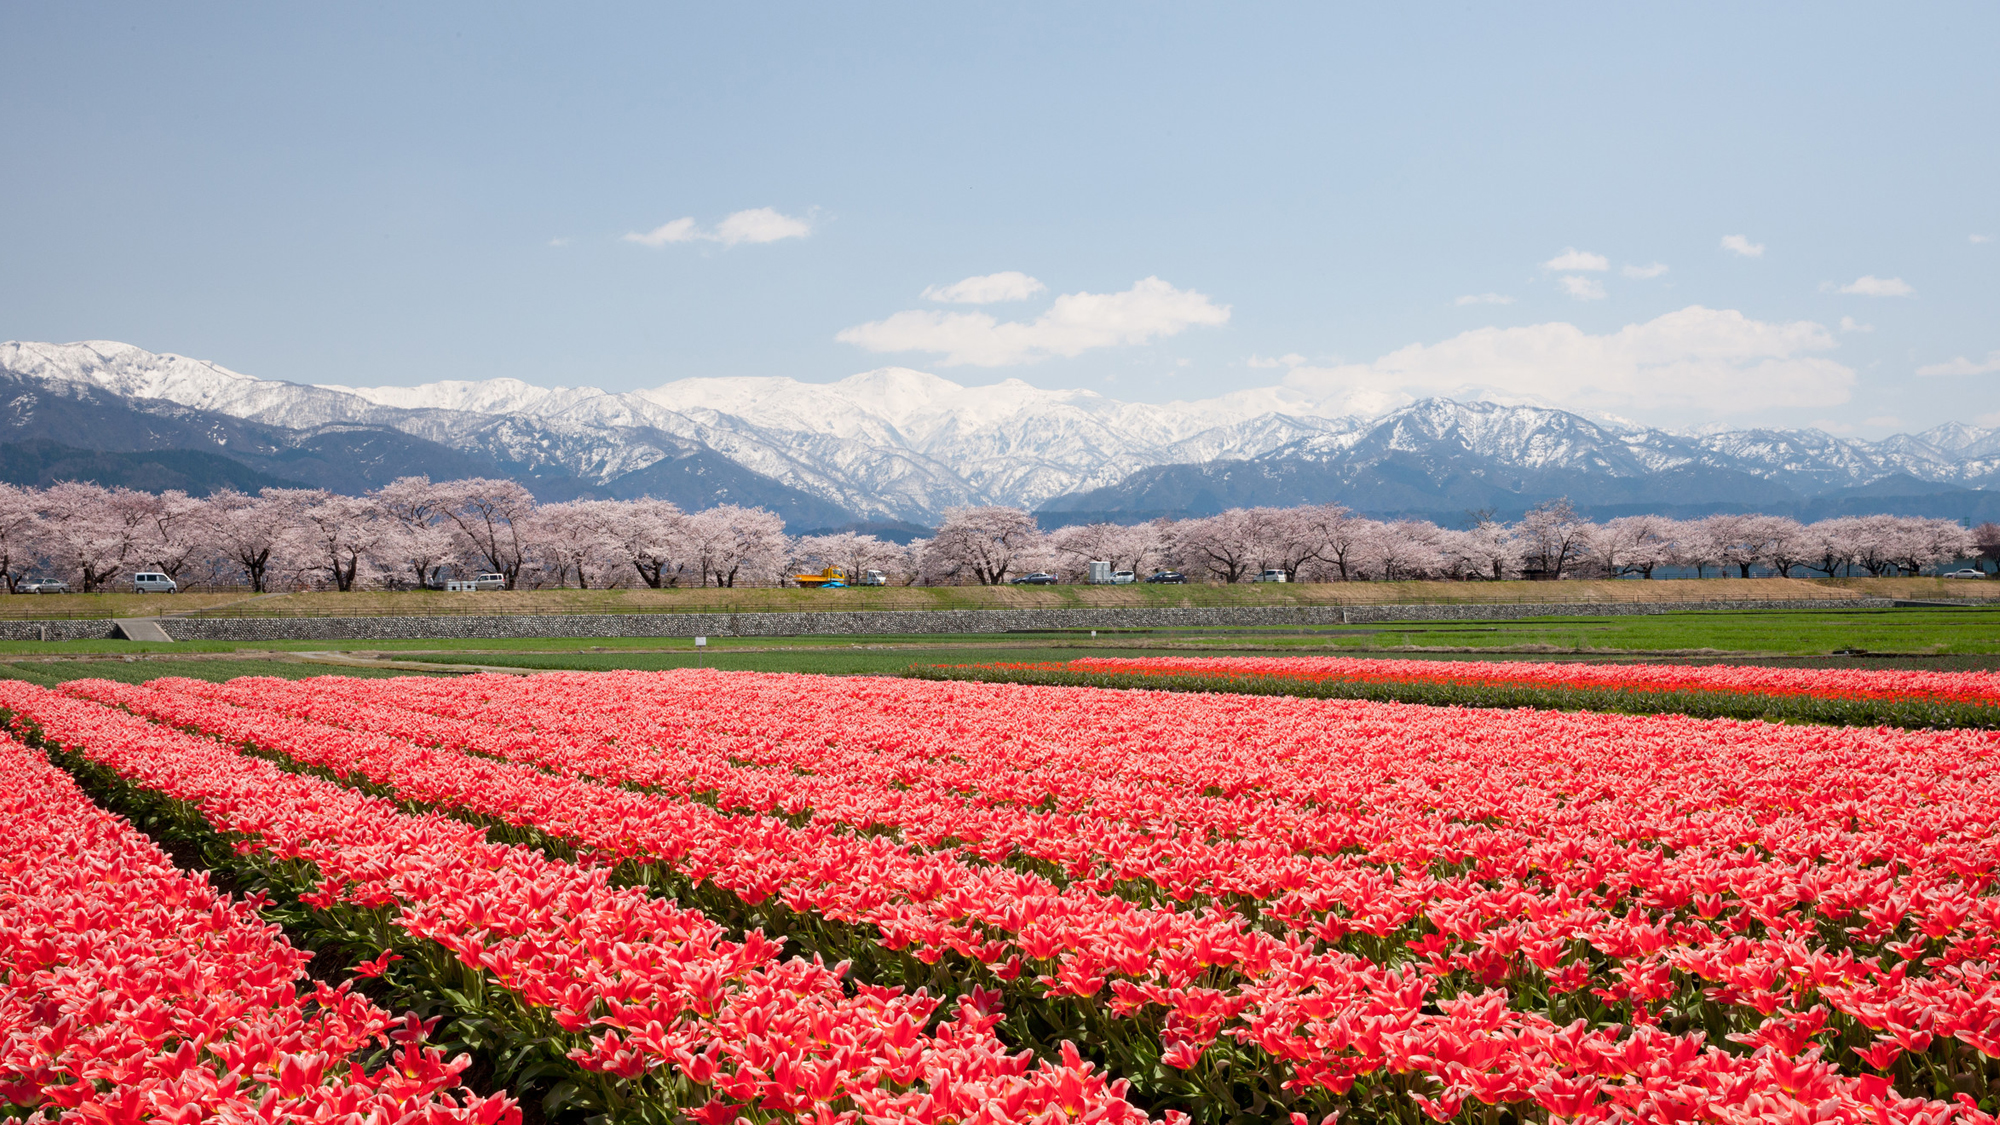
x,y
376,603
1922,714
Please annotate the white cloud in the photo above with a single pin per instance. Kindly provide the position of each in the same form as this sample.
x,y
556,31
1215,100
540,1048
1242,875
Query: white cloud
x,y
1643,273
1485,299
1573,259
1737,244
1977,238
561,241
1075,323
1703,361
1583,288
759,224
1292,359
680,230
1011,285
1849,324
1963,366
1872,286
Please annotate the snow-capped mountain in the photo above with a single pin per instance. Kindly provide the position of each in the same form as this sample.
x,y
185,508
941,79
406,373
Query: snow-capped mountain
x,y
897,444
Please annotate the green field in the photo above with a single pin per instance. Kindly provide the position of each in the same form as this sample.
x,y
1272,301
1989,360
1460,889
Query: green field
x,y
1941,639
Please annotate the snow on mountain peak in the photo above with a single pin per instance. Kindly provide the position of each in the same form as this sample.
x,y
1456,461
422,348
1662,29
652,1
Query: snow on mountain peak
x,y
904,444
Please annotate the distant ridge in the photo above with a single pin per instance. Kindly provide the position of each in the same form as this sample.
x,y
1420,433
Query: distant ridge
x,y
42,463
898,447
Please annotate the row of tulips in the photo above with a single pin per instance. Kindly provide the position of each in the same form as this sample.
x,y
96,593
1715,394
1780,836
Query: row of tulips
x,y
1591,915
1840,696
1820,683
130,991
931,902
670,1016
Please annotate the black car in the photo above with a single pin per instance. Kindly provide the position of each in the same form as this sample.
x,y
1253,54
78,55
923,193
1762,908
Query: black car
x,y
1039,578
1167,576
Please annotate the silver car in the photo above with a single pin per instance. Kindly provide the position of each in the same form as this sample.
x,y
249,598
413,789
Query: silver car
x,y
43,586
153,582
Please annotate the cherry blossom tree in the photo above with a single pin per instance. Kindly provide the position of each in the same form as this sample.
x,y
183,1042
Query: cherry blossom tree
x,y
1918,545
1289,538
1402,550
491,518
1133,547
92,531
578,538
176,540
1338,536
1829,546
1228,545
854,553
1874,541
1551,538
1631,544
652,537
418,539
731,541
20,533
255,531
1781,544
985,543
1486,550
1986,538
337,535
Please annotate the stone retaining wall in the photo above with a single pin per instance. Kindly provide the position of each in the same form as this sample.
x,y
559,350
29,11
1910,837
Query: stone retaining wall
x,y
84,630
890,622
868,622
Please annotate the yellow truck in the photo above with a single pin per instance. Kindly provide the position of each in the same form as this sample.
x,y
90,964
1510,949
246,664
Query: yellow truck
x,y
835,578
831,578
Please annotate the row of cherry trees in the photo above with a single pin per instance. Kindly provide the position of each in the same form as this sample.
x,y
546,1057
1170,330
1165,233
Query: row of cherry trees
x,y
409,534
1325,543
416,533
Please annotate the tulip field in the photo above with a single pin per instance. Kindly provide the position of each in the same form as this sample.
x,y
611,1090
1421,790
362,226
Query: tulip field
x,y
713,897
1895,697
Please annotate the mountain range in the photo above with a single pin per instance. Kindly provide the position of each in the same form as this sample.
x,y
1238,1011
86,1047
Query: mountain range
x,y
893,448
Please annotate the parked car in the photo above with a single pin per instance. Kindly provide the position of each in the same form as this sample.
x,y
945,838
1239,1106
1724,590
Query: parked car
x,y
1272,575
872,578
1123,578
1038,578
43,586
1967,573
153,582
1167,576
489,582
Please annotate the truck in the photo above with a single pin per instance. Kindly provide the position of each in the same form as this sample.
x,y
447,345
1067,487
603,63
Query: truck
x,y
832,578
1101,574
836,578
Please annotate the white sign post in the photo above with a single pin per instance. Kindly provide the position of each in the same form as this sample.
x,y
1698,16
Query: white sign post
x,y
699,644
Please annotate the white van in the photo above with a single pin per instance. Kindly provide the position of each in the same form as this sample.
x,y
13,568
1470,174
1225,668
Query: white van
x,y
153,582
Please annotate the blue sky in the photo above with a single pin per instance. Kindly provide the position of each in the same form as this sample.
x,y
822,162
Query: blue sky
x,y
1358,204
